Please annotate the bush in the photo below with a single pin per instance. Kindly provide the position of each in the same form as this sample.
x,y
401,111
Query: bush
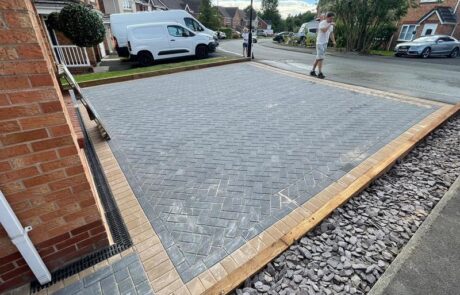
x,y
228,32
53,21
310,41
81,25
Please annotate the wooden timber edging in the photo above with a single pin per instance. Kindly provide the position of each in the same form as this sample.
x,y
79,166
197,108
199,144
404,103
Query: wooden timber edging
x,y
130,77
256,263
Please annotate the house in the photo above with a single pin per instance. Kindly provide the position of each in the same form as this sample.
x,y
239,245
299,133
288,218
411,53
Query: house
x,y
77,59
232,17
428,18
45,179
191,6
121,6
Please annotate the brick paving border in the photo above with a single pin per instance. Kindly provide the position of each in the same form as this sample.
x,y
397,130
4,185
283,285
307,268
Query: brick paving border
x,y
242,263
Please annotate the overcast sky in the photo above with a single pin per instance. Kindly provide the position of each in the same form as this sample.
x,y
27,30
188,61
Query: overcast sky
x,y
285,7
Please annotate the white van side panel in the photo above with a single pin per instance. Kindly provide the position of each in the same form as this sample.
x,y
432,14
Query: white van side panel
x,y
120,21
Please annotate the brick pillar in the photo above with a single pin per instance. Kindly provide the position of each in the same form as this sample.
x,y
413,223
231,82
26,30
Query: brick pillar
x,y
42,171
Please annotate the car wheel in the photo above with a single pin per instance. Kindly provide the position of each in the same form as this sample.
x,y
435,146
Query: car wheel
x,y
145,58
201,51
254,40
454,53
426,53
397,54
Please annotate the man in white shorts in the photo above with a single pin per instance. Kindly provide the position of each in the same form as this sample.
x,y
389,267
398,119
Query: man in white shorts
x,y
325,30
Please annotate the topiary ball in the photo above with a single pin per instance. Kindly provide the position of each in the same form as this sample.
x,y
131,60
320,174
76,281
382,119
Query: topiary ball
x,y
53,21
81,25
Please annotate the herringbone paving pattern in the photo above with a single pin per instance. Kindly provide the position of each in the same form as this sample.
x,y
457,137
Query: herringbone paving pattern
x,y
216,156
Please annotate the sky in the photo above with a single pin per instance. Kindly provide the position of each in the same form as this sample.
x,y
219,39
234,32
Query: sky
x,y
285,7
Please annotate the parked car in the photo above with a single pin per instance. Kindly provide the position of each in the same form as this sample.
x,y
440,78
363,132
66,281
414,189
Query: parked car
x,y
120,21
262,33
307,29
221,35
280,37
236,34
149,42
439,45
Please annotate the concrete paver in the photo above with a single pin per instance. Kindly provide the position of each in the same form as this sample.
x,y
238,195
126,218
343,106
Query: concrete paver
x,y
218,155
125,276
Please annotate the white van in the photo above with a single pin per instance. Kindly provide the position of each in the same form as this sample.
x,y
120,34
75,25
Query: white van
x,y
156,41
120,21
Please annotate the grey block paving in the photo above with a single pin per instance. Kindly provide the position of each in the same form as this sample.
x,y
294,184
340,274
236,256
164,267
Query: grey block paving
x,y
124,277
216,156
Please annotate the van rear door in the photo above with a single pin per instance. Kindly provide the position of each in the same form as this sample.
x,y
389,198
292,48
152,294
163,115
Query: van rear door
x,y
151,38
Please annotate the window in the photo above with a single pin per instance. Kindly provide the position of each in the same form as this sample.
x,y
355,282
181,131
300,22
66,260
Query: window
x,y
446,39
177,31
314,31
127,4
407,32
192,24
429,32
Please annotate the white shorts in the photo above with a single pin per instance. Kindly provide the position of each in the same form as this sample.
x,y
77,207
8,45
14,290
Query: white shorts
x,y
321,50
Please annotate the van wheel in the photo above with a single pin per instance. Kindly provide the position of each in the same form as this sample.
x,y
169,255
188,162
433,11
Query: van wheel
x,y
145,58
201,51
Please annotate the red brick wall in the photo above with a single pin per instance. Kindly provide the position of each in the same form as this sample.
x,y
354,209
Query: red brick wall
x,y
42,171
415,14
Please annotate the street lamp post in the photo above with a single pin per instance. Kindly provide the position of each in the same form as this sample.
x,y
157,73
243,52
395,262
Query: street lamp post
x,y
250,33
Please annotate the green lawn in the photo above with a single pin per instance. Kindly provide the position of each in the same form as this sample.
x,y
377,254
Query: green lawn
x,y
154,68
382,52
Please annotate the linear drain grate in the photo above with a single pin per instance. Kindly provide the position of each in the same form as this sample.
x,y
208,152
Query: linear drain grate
x,y
117,227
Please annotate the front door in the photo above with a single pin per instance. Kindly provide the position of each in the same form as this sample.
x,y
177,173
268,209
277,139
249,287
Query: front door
x,y
429,29
179,41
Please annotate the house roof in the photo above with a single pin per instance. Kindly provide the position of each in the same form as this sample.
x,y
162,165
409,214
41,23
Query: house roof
x,y
445,14
193,5
227,11
246,16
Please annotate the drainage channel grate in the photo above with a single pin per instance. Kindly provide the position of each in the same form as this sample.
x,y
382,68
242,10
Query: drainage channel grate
x,y
117,227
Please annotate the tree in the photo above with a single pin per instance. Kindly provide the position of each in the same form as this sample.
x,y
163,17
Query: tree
x,y
209,16
361,23
81,25
293,22
270,13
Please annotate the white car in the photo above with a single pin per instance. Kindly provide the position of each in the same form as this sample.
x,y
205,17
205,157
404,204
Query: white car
x,y
120,21
149,42
221,35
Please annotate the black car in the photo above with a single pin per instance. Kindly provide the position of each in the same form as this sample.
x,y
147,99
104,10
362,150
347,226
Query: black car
x,y
280,37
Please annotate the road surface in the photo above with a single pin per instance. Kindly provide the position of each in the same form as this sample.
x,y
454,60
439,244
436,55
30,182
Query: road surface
x,y
435,79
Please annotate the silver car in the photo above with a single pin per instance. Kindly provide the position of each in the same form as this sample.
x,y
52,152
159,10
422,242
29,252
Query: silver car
x,y
429,46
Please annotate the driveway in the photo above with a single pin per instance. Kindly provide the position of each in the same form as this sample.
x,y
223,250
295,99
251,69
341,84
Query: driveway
x,y
215,156
435,78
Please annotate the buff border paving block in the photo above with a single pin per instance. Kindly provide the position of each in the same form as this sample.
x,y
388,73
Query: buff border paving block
x,y
256,253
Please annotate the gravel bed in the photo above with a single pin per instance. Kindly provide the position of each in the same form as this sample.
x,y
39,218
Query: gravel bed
x,y
350,250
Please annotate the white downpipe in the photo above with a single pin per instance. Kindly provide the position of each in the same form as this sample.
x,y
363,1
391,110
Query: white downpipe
x,y
19,237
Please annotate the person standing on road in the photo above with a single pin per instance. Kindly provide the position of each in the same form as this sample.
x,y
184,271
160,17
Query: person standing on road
x,y
245,36
325,31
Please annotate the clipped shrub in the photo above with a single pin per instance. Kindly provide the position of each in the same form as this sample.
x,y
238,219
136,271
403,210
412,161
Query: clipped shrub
x,y
53,21
81,25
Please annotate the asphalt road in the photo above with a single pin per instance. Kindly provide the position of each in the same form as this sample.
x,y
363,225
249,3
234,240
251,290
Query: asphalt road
x,y
435,78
